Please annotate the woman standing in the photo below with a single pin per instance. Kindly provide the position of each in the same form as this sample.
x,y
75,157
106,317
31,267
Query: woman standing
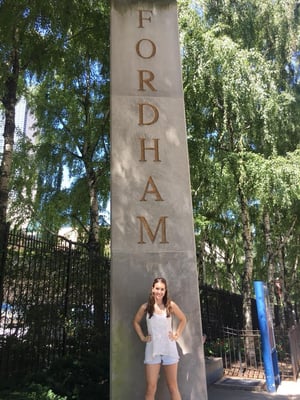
x,y
160,341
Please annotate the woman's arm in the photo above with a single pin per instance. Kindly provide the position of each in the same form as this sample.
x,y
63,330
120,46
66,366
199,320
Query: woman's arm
x,y
181,320
137,323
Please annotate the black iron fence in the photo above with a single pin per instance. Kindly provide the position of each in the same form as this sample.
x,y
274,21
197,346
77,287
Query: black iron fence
x,y
55,302
237,359
220,309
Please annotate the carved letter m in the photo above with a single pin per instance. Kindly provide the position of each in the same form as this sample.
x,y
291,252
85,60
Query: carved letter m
x,y
144,226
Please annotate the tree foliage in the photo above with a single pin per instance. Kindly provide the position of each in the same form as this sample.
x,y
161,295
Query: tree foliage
x,y
68,163
241,89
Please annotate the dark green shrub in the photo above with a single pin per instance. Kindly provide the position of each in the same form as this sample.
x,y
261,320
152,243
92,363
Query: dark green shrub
x,y
83,378
33,392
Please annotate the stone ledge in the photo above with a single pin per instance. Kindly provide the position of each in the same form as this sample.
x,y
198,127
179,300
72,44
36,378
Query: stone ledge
x,y
214,369
254,385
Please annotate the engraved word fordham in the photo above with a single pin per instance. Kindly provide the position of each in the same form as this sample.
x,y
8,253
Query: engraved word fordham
x,y
148,115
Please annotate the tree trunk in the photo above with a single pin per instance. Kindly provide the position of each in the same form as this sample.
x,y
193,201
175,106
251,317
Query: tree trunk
x,y
6,162
288,314
247,279
201,262
94,249
9,101
248,266
270,260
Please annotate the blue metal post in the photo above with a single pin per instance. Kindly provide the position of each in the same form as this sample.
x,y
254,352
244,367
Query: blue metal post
x,y
267,336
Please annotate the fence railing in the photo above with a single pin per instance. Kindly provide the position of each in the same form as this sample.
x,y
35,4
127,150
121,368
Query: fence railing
x,y
242,355
55,302
241,352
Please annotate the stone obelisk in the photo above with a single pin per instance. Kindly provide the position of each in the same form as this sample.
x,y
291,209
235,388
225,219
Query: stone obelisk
x,y
151,208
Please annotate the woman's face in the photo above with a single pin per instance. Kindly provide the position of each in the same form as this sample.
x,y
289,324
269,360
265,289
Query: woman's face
x,y
158,291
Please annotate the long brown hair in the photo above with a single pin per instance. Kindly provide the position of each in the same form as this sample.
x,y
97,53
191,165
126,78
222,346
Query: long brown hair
x,y
151,299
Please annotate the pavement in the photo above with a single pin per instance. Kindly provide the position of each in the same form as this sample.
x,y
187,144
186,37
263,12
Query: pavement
x,y
251,389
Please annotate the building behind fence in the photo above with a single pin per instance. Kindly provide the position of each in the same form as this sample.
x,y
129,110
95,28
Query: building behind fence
x,y
55,303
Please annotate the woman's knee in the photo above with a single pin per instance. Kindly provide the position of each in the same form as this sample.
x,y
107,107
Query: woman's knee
x,y
173,387
174,393
151,389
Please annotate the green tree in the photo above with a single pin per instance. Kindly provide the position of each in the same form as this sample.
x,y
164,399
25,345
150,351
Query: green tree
x,y
69,98
71,106
240,102
27,36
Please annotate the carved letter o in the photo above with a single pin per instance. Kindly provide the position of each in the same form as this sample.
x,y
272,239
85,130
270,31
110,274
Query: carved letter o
x,y
145,48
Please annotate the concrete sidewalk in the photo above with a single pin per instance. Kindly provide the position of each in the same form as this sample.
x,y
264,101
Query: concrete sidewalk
x,y
245,389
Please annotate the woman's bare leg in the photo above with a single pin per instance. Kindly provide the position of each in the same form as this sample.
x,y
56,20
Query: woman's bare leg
x,y
152,373
171,378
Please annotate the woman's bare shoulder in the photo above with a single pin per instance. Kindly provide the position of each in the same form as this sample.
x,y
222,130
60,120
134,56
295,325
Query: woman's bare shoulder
x,y
174,307
143,307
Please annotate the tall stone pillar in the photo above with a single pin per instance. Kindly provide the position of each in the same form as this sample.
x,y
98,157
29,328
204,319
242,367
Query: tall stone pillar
x,y
151,209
